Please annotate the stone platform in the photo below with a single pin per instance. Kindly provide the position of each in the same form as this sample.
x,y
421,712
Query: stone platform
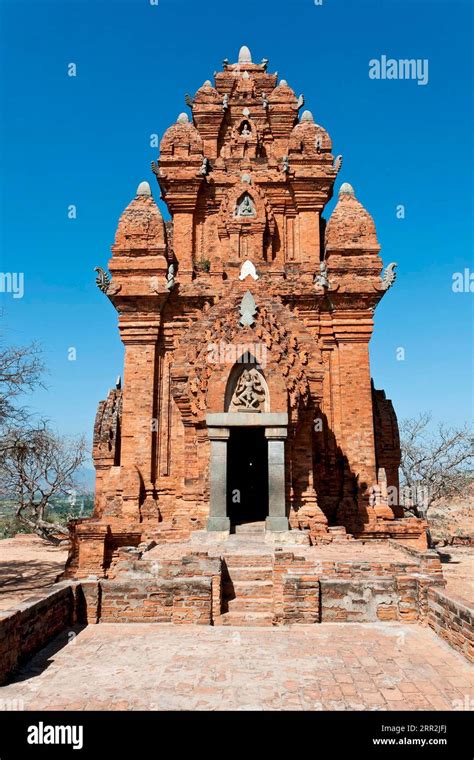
x,y
242,585
243,579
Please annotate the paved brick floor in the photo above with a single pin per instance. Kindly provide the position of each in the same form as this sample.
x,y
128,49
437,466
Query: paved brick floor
x,y
318,667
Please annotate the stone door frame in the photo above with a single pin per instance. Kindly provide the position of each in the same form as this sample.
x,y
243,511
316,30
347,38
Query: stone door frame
x,y
276,431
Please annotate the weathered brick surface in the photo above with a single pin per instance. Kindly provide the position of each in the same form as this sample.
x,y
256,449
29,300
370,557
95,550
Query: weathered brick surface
x,y
187,589
301,599
182,600
358,601
177,291
29,627
453,620
281,586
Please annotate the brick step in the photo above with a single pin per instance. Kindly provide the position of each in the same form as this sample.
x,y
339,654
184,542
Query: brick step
x,y
249,604
250,528
339,534
250,574
248,588
244,619
250,561
247,539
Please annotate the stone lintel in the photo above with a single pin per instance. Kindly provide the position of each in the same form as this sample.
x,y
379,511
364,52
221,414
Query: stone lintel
x,y
251,419
218,433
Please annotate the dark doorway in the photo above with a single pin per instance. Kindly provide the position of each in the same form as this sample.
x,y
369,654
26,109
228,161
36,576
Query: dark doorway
x,y
247,475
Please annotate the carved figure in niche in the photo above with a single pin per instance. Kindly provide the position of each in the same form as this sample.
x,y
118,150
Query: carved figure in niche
x,y
249,392
170,277
245,130
245,206
322,278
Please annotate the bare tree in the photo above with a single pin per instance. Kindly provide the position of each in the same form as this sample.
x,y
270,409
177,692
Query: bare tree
x,y
37,467
435,462
20,371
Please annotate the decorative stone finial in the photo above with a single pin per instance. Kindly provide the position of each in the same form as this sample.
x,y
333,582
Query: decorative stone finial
x,y
144,189
283,83
248,309
389,276
246,178
207,83
248,268
183,118
245,55
346,189
102,279
307,116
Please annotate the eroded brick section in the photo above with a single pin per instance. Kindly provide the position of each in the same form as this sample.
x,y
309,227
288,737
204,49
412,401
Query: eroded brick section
x,y
157,601
301,599
358,602
186,589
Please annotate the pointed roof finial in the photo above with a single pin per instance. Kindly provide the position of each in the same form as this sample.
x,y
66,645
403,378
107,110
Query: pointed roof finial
x,y
144,189
346,189
245,56
183,118
307,116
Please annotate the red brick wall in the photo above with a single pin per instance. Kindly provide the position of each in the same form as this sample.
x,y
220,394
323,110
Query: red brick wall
x,y
29,627
452,618
157,601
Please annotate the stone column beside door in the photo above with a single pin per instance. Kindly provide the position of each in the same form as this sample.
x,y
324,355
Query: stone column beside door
x,y
277,519
218,520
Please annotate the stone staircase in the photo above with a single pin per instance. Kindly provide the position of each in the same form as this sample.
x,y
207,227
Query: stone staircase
x,y
249,532
247,581
247,578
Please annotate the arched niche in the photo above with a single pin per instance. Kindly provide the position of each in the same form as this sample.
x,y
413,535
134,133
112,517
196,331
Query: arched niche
x,y
245,129
245,206
247,389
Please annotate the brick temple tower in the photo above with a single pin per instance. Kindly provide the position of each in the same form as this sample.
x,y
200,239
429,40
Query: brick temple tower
x,y
246,319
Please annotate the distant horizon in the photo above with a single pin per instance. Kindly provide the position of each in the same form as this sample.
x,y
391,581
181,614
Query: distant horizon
x,y
85,141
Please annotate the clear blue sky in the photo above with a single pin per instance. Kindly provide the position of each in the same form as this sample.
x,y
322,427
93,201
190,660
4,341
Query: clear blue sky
x,y
85,141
